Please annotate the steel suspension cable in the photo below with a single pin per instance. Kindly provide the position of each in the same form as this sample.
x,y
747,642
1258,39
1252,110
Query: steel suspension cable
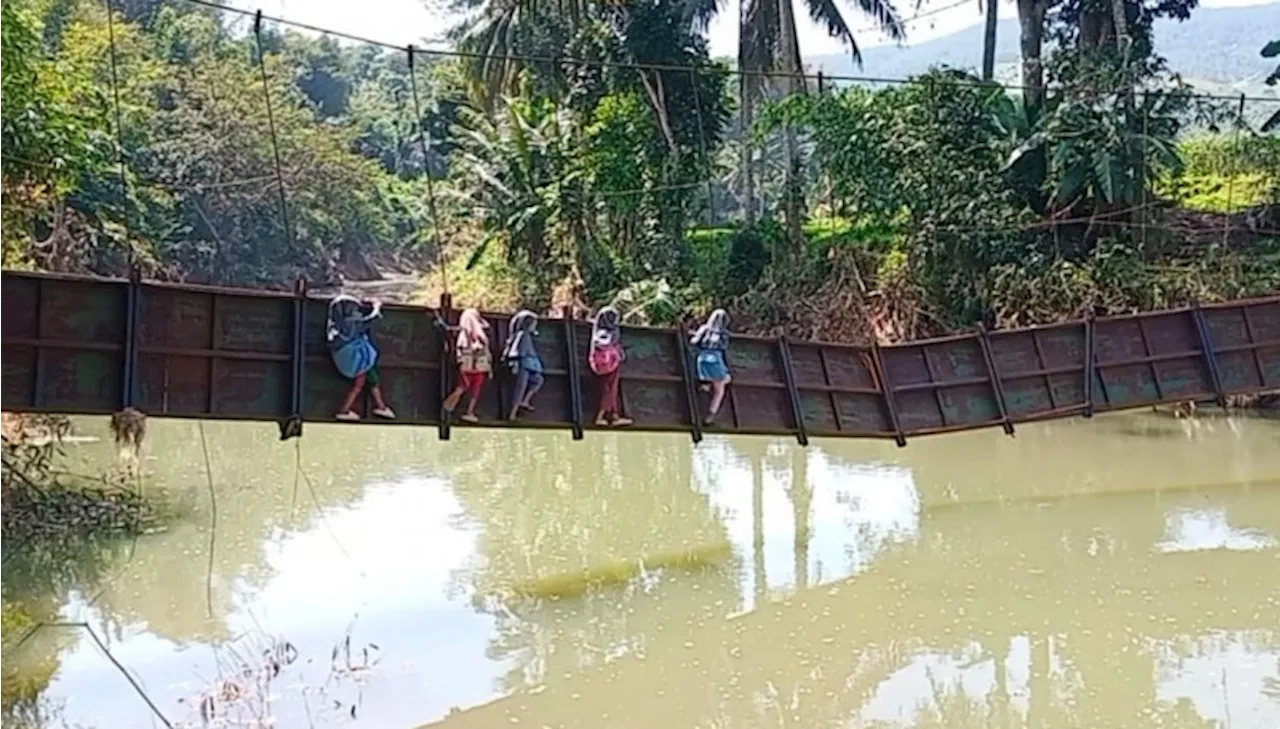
x,y
442,260
623,65
271,127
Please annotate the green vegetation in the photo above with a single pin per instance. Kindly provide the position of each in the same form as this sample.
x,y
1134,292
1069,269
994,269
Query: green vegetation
x,y
47,509
586,153
1224,174
60,532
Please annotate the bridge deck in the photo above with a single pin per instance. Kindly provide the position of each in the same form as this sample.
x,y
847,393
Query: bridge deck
x,y
84,345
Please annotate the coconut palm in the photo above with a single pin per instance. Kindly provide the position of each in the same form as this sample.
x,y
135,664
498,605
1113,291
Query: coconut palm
x,y
769,57
989,40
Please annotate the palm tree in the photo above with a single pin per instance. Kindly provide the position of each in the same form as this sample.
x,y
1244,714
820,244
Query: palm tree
x,y
769,55
989,40
497,34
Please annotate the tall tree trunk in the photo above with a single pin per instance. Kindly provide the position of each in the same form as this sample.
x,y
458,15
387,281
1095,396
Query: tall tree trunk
x,y
793,83
989,41
1031,41
1121,22
748,164
747,87
1031,15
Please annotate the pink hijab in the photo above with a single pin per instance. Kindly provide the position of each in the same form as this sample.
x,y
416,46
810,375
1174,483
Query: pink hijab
x,y
471,328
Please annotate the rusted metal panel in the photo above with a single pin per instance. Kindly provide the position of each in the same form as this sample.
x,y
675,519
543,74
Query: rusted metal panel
x,y
1232,331
839,393
940,385
1153,358
757,395
230,353
1042,369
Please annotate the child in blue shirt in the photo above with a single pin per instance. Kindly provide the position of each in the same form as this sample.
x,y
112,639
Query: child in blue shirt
x,y
354,354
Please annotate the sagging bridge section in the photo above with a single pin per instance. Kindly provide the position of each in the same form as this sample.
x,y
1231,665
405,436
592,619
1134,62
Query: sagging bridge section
x,y
87,345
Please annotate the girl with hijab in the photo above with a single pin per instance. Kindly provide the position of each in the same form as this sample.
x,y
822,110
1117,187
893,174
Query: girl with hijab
x,y
521,355
712,340
605,360
347,334
474,367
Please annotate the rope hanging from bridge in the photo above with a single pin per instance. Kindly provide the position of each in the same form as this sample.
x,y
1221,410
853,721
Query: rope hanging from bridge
x,y
271,126
442,260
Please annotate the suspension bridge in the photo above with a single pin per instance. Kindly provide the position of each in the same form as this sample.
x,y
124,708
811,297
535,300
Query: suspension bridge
x,y
86,345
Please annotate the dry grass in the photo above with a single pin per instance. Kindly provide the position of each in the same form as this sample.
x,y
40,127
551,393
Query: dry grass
x,y
255,674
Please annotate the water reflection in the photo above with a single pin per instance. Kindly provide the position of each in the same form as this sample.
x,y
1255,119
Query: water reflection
x,y
1083,574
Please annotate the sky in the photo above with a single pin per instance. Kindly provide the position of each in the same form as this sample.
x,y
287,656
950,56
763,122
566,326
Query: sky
x,y
402,22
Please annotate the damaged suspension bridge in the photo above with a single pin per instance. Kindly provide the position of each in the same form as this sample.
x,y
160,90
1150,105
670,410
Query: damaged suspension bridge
x,y
87,345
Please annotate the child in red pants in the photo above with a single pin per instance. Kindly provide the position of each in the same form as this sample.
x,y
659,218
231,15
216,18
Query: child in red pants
x,y
474,363
606,361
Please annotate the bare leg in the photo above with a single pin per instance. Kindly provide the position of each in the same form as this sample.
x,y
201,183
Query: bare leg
x,y
451,402
717,398
349,402
378,402
536,381
520,392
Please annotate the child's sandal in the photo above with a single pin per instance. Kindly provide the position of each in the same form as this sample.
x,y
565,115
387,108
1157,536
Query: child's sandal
x,y
387,413
350,416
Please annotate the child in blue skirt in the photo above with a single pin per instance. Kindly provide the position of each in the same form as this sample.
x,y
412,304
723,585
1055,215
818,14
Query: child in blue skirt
x,y
712,340
354,354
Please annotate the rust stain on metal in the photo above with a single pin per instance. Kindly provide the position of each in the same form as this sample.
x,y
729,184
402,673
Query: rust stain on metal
x,y
228,353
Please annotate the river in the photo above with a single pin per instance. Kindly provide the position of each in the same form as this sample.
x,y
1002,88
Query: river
x,y
1119,571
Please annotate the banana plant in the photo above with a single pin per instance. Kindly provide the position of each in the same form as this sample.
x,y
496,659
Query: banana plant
x,y
517,172
1101,150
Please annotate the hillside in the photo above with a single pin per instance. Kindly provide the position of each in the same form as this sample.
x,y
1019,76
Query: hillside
x,y
1217,48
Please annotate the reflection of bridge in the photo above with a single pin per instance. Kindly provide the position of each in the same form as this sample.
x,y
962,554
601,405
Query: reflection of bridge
x,y
87,345
825,650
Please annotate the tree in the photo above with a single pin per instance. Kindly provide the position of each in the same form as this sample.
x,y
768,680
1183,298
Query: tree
x,y
769,54
500,36
989,40
519,173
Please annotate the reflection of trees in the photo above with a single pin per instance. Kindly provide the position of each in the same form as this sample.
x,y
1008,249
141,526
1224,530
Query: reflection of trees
x,y
801,494
1076,585
547,506
37,581
162,582
763,456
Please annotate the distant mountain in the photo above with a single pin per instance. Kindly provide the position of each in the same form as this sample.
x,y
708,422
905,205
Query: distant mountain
x,y
1217,48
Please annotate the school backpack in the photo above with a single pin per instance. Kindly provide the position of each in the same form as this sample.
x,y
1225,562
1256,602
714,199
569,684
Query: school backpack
x,y
605,360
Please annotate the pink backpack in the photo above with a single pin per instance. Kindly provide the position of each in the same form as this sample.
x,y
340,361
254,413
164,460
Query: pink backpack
x,y
605,360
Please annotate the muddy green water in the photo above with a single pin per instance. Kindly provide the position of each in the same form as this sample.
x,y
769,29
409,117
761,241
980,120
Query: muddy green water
x,y
1118,572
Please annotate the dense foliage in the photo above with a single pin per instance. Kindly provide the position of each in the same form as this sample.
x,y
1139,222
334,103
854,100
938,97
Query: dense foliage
x,y
583,153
